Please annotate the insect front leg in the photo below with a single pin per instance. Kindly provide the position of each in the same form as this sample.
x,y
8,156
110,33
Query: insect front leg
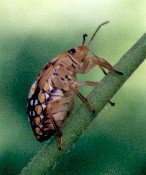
x,y
90,63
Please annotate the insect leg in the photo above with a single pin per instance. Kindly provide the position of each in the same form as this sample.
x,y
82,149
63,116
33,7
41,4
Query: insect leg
x,y
59,106
70,109
92,83
73,87
57,128
56,106
86,83
90,63
103,63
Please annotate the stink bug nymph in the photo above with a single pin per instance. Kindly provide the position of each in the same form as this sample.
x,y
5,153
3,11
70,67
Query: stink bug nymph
x,y
51,97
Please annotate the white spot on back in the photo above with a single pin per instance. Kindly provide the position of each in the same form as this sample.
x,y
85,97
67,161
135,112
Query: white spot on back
x,y
33,113
43,106
40,125
32,90
58,92
36,102
41,116
47,95
50,87
31,102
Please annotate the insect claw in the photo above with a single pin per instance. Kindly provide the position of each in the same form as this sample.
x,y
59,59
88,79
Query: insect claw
x,y
59,142
111,103
118,72
93,111
59,148
104,72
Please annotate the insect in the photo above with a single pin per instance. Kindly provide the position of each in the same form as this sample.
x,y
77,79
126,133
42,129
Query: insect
x,y
51,97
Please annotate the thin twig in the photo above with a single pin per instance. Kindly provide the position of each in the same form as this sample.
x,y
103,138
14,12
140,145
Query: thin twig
x,y
49,156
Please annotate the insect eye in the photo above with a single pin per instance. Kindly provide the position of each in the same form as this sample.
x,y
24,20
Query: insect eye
x,y
72,51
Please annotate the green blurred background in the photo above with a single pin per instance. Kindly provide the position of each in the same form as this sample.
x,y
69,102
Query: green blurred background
x,y
33,32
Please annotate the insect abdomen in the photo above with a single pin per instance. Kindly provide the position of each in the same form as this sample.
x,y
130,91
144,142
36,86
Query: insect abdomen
x,y
40,120
51,85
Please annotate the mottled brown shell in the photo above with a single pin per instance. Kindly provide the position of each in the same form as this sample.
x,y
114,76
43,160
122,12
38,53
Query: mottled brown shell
x,y
49,87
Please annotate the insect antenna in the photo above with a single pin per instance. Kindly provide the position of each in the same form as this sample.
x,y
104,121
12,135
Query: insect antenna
x,y
84,38
97,30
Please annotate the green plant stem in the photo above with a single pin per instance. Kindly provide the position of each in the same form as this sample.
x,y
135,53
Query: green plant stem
x,y
49,156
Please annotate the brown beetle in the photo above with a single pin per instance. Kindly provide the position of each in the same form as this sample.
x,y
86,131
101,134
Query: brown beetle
x,y
51,97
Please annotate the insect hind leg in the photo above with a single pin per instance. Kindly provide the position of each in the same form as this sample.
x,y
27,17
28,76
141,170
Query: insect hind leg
x,y
57,128
59,106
